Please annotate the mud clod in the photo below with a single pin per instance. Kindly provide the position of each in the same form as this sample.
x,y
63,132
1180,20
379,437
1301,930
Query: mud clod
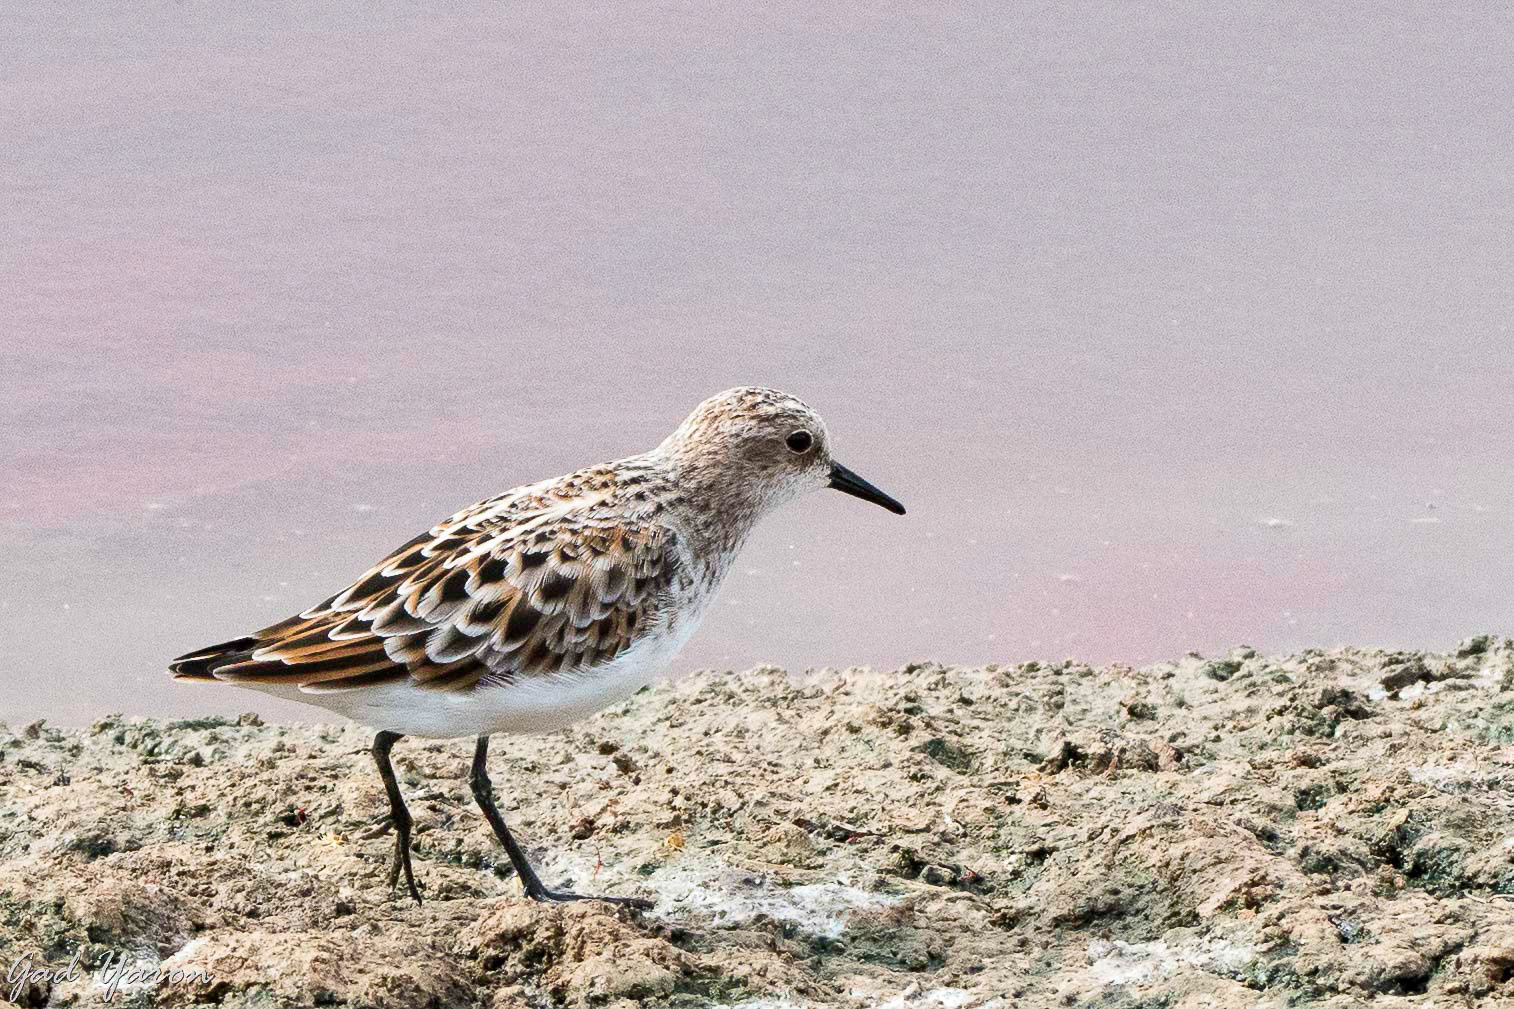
x,y
1335,828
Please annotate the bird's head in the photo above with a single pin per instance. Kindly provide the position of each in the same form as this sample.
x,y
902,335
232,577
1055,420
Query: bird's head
x,y
765,446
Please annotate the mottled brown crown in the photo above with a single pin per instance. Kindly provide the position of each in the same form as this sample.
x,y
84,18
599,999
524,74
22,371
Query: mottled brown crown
x,y
742,414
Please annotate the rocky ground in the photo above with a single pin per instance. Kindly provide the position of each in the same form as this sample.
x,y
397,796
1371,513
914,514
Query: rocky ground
x,y
1332,828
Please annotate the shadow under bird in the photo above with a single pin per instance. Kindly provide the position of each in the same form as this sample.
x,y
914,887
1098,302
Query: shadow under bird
x,y
528,611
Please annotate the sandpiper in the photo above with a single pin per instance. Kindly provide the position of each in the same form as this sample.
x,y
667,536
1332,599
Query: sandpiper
x,y
533,609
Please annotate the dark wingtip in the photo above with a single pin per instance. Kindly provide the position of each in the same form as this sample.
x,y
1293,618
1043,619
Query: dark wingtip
x,y
202,663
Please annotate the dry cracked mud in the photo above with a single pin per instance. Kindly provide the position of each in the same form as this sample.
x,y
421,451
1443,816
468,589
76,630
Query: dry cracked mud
x,y
1332,828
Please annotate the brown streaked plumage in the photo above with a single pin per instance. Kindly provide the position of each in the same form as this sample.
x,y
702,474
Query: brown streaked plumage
x,y
538,581
529,610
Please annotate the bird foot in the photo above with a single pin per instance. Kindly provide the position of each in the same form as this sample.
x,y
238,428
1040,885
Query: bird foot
x,y
562,897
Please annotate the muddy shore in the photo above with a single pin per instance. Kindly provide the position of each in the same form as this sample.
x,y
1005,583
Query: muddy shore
x,y
1331,828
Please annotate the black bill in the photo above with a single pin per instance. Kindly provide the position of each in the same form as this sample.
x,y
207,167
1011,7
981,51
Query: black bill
x,y
845,480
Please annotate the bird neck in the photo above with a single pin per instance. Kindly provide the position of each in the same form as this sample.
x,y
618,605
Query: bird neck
x,y
716,513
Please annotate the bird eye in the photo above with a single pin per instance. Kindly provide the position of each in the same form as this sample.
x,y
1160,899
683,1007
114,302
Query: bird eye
x,y
799,441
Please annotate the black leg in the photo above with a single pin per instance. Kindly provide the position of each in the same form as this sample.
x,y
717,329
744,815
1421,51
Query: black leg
x,y
483,791
397,813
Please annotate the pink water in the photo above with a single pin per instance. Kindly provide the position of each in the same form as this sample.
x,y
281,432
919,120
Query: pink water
x,y
1174,328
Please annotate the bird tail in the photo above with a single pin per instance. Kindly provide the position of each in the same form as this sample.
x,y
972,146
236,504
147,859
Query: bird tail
x,y
202,664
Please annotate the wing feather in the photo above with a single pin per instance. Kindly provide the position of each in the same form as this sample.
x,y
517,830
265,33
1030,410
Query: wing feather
x,y
516,587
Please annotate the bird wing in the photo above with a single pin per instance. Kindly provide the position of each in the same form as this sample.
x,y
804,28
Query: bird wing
x,y
519,586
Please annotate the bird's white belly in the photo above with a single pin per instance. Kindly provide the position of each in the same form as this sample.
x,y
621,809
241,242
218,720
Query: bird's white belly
x,y
538,704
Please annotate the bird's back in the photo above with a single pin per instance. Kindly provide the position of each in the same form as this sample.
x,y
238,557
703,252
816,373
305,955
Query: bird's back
x,y
552,578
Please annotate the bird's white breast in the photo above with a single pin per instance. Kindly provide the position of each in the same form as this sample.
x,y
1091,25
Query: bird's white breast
x,y
536,704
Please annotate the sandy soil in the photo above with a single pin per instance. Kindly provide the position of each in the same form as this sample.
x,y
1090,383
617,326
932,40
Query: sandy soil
x,y
1331,828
